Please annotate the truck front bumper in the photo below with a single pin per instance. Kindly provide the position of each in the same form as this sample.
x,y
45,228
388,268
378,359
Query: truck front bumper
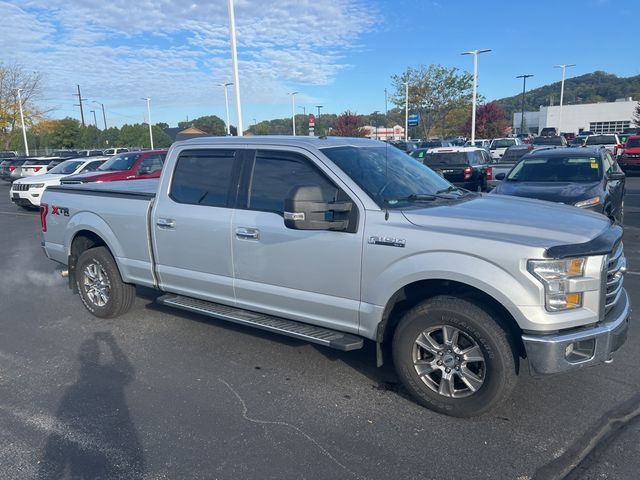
x,y
579,348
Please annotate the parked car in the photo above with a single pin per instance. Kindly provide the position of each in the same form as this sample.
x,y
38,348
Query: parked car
x,y
32,166
27,192
630,157
549,141
609,141
90,153
549,132
465,167
512,155
578,141
114,151
499,145
340,240
5,154
404,146
478,142
586,177
8,166
434,144
124,166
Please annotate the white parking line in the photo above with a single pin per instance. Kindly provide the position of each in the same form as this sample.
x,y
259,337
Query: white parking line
x,y
633,273
16,213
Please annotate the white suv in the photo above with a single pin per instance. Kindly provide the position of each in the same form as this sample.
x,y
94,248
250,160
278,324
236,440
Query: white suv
x,y
499,146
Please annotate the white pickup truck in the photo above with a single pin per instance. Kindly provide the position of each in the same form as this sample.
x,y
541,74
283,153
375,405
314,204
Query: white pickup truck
x,y
339,241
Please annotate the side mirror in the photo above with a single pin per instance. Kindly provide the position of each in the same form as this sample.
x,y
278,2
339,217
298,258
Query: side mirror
x,y
501,176
613,176
305,209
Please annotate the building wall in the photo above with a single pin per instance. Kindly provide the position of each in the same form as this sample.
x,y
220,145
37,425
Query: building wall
x,y
382,133
605,117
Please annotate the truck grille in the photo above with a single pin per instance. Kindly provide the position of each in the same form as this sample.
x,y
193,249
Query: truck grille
x,y
20,187
616,267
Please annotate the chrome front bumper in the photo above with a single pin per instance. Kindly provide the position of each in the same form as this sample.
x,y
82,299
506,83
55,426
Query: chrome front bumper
x,y
579,348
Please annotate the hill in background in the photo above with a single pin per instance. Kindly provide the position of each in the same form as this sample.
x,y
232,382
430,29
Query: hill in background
x,y
590,88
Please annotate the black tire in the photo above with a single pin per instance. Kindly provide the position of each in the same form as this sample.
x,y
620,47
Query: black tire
x,y
119,295
498,369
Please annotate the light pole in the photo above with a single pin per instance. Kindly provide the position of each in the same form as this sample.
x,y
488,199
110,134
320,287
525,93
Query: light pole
x,y
524,86
564,67
24,131
95,120
318,119
406,110
148,99
226,103
293,111
104,117
304,110
475,54
234,62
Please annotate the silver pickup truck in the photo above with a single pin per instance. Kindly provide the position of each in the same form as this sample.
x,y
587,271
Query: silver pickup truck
x,y
338,241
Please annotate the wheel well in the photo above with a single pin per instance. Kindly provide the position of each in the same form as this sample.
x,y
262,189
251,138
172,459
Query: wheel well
x,y
84,240
412,294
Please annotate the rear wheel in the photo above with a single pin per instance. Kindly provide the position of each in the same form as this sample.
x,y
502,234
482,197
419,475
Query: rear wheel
x,y
100,285
453,357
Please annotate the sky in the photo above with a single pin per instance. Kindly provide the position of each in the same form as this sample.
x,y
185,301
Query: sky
x,y
340,54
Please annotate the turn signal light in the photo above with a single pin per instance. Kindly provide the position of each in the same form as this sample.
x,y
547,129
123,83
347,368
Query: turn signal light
x,y
468,172
489,173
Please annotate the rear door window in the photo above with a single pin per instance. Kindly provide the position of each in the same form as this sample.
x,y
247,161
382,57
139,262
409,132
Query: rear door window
x,y
153,163
204,177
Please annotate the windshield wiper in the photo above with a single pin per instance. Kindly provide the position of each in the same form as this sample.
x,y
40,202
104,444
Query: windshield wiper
x,y
450,188
414,197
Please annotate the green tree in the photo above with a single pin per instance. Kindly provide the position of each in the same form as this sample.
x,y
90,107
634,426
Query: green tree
x,y
433,92
65,133
89,137
211,124
636,115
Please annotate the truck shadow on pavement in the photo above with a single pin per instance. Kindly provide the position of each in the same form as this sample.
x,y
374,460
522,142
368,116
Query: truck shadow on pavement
x,y
93,435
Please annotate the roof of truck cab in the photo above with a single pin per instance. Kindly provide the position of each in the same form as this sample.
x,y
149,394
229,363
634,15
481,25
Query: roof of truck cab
x,y
284,140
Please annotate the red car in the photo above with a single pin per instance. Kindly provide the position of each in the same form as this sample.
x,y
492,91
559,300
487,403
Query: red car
x,y
630,158
124,166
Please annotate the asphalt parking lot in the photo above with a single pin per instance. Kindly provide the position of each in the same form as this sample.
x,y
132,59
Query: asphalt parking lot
x,y
163,394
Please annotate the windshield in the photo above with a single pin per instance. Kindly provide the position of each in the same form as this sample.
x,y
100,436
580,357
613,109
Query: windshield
x,y
67,167
124,161
547,141
602,140
633,143
503,143
447,158
388,175
556,169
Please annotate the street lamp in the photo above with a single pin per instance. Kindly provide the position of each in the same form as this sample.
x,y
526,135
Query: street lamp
x,y
318,119
95,120
24,131
234,62
148,99
226,103
475,54
564,67
524,85
104,117
406,110
293,111
304,110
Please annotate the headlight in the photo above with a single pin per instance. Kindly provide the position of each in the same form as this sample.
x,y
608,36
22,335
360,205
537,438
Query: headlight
x,y
589,202
37,185
555,276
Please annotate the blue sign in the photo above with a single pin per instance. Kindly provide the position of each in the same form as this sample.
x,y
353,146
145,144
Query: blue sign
x,y
414,119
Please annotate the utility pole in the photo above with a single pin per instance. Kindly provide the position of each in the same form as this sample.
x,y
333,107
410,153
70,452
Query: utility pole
x,y
318,119
24,131
104,117
475,54
406,110
524,86
304,110
80,105
95,120
564,67
234,63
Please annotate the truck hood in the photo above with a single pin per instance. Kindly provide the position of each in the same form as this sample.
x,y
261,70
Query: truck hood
x,y
46,178
560,192
104,176
512,220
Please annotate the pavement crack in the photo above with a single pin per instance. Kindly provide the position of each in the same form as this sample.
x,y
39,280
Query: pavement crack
x,y
324,451
597,438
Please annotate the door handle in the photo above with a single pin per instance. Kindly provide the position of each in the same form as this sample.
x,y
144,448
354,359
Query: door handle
x,y
167,223
248,233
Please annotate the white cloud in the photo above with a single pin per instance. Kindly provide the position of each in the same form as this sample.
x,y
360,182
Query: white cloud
x,y
176,52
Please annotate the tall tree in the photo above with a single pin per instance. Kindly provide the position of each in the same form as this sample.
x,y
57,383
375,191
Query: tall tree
x,y
65,133
636,115
211,124
433,92
348,125
491,121
12,78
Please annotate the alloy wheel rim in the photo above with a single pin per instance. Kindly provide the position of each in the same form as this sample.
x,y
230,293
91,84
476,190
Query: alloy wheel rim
x,y
96,284
449,361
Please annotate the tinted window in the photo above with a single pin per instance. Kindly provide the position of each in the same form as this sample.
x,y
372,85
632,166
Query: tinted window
x,y
513,154
556,169
153,163
557,141
633,143
601,140
448,158
203,177
503,143
67,167
92,166
276,173
124,161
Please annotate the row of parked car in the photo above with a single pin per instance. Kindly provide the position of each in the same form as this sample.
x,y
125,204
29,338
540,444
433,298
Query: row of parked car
x,y
589,177
30,177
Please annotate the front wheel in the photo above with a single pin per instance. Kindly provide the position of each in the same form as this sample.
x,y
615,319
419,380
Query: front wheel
x,y
453,357
100,285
